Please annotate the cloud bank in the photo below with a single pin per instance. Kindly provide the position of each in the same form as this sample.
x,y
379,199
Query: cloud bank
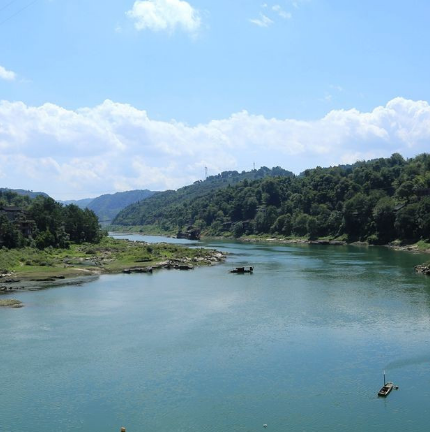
x,y
164,15
6,74
114,147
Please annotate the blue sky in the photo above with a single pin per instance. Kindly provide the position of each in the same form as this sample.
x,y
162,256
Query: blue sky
x,y
99,97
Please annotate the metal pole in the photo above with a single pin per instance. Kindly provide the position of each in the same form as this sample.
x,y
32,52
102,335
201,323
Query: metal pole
x,y
384,377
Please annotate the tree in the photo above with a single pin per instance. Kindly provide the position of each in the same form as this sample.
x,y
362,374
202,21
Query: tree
x,y
300,224
312,227
356,216
9,235
406,223
384,217
405,190
423,214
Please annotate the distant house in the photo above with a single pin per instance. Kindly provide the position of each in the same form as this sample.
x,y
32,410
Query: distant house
x,y
12,212
19,217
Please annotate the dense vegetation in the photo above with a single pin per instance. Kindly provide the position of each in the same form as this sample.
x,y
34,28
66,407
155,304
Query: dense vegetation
x,y
164,207
43,222
376,201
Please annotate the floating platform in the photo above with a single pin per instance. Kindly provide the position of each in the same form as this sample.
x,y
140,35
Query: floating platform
x,y
242,270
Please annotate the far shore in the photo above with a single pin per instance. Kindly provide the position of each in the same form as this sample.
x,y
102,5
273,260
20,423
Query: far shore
x,y
414,248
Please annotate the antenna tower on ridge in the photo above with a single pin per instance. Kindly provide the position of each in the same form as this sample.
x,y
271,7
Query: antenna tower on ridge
x,y
206,173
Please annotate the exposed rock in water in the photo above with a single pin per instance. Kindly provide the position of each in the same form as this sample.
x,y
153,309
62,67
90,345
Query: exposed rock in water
x,y
12,303
423,269
138,270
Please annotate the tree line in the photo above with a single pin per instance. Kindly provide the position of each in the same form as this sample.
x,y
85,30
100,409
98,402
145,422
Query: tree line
x,y
43,222
377,201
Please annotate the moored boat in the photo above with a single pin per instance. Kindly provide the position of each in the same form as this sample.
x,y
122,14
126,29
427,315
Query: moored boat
x,y
242,270
386,389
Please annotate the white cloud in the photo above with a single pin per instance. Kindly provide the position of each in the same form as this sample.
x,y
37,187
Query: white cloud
x,y
6,74
281,12
263,21
165,15
297,3
113,146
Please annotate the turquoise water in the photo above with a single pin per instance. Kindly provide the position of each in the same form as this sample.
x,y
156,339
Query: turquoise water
x,y
152,239
300,345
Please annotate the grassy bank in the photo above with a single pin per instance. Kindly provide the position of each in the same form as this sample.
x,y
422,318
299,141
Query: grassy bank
x,y
109,256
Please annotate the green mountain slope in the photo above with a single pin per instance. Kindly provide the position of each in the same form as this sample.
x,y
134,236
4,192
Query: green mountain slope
x,y
164,205
376,201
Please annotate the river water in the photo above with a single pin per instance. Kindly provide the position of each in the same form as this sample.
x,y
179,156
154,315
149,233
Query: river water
x,y
300,345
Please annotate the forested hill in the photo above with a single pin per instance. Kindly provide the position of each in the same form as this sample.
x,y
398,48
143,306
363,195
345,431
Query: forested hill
x,y
377,201
23,192
163,206
42,222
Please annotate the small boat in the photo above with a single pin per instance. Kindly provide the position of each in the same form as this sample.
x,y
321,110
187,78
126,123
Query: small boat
x,y
242,270
385,390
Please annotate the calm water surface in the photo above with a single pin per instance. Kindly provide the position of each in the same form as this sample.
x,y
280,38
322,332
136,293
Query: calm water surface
x,y
299,345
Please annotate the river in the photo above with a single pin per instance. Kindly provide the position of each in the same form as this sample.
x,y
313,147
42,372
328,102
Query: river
x,y
300,345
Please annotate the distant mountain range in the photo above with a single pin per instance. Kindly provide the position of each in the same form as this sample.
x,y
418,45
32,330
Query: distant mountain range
x,y
29,193
82,203
107,206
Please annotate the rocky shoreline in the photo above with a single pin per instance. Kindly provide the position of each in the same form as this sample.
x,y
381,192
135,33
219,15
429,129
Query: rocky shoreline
x,y
15,282
423,269
19,285
179,264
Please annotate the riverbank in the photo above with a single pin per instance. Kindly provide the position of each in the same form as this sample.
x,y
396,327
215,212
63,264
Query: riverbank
x,y
419,247
32,269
